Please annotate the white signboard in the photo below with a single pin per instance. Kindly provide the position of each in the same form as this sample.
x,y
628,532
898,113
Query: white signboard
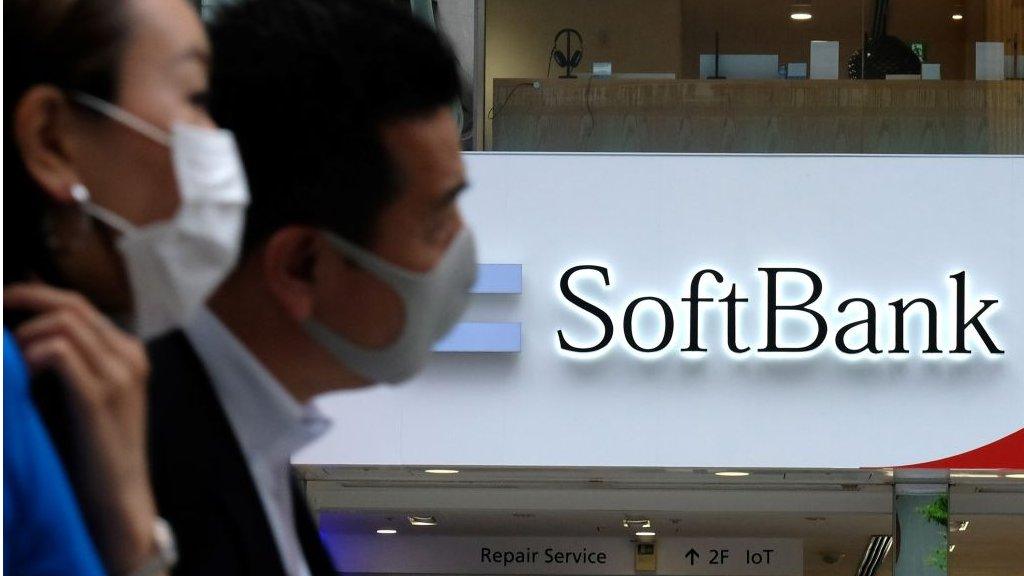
x,y
723,311
731,556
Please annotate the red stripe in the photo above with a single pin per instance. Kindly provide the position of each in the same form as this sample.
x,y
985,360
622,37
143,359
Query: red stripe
x,y
1005,453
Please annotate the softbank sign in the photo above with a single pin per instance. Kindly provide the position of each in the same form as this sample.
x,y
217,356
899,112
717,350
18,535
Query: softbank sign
x,y
703,311
849,326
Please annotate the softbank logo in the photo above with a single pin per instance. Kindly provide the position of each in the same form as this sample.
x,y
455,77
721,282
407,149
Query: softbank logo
x,y
850,326
492,281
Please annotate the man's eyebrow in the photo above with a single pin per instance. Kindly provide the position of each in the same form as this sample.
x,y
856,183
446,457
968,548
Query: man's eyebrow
x,y
450,196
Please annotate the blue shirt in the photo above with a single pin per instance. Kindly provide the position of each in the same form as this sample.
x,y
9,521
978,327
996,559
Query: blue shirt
x,y
44,533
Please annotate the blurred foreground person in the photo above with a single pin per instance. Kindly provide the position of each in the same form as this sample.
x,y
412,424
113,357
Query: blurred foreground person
x,y
121,202
355,262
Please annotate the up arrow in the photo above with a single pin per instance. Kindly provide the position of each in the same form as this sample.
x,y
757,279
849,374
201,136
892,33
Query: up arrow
x,y
692,555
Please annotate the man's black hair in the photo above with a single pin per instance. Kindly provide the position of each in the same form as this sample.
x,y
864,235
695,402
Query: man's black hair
x,y
306,86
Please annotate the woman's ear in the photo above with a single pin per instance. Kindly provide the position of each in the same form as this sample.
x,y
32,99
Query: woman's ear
x,y
43,133
289,269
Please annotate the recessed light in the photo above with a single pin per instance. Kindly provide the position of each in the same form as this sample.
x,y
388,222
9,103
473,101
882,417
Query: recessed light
x,y
963,526
1016,476
972,475
958,16
801,16
951,547
387,531
639,522
422,520
441,471
646,533
732,474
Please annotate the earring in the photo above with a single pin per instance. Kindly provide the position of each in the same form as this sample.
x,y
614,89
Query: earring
x,y
79,192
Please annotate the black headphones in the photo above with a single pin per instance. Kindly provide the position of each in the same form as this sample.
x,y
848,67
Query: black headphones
x,y
563,61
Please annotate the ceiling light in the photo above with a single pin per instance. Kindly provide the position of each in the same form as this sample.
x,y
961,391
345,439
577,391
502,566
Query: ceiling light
x,y
422,520
1016,476
972,475
441,471
951,547
801,16
646,533
958,16
732,474
963,526
387,531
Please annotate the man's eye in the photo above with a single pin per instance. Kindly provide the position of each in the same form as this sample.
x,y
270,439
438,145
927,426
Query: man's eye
x,y
200,99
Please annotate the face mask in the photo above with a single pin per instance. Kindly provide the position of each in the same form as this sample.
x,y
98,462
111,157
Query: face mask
x,y
433,302
175,264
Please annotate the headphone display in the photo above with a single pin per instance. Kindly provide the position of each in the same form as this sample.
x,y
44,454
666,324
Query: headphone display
x,y
562,58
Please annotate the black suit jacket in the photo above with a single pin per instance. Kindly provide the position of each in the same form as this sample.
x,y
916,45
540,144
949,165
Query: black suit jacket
x,y
202,483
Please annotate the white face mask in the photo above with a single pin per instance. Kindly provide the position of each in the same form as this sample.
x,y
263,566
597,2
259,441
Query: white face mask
x,y
174,265
433,302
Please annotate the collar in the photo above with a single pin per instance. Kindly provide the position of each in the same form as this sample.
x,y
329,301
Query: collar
x,y
268,421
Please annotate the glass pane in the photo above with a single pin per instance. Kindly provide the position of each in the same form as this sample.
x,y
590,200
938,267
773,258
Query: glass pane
x,y
754,76
489,520
986,523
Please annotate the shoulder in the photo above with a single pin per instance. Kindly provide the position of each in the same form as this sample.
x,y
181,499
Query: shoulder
x,y
15,373
17,409
38,500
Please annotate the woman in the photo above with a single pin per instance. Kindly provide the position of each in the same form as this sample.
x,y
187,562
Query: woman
x,y
121,197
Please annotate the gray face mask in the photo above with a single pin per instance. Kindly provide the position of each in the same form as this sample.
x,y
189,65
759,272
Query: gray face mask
x,y
433,302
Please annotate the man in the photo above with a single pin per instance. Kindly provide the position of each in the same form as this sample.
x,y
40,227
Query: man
x,y
355,261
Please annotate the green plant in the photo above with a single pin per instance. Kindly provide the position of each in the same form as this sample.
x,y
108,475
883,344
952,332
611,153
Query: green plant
x,y
937,511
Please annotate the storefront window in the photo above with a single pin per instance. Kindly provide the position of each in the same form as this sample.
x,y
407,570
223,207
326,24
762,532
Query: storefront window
x,y
612,522
986,523
745,76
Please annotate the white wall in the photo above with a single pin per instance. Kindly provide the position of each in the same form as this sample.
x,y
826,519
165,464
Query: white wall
x,y
883,227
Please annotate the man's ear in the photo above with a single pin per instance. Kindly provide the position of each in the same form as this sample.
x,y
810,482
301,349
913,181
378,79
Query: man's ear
x,y
289,266
42,131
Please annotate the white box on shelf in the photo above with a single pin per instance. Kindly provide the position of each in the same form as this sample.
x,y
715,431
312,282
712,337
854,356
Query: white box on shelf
x,y
931,71
989,61
824,60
